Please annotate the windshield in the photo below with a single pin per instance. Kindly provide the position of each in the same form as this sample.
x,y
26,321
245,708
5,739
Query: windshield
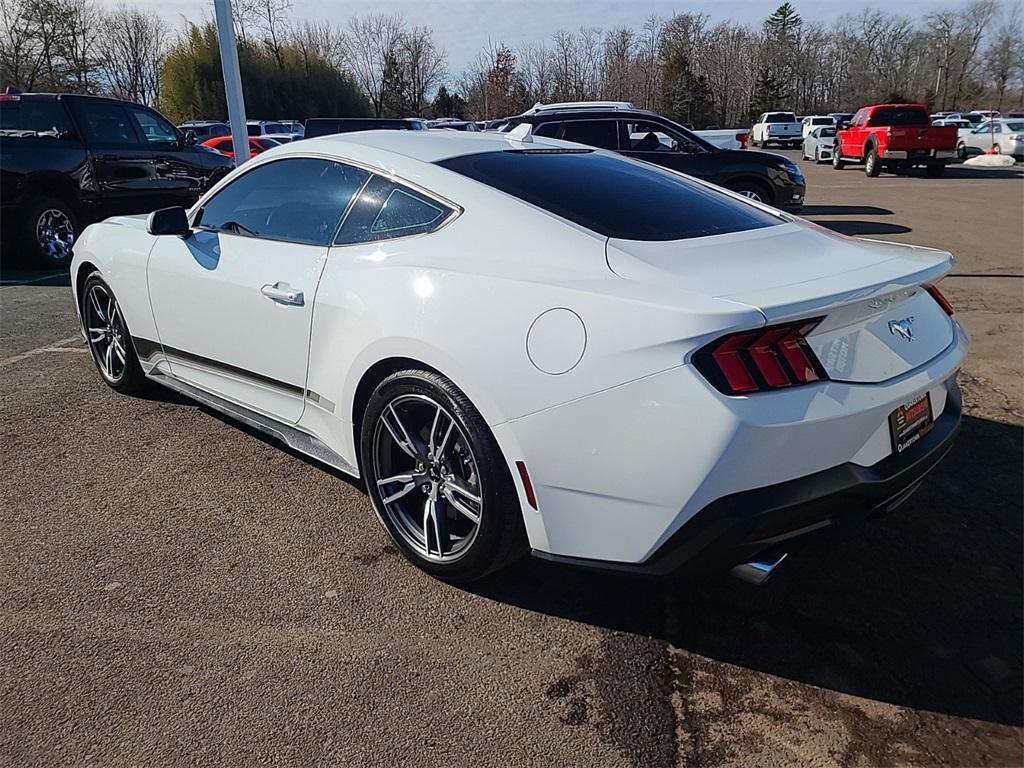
x,y
610,195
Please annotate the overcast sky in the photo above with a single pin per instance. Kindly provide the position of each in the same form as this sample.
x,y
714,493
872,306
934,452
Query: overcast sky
x,y
462,27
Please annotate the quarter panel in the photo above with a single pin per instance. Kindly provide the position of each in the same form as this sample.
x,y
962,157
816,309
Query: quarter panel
x,y
119,247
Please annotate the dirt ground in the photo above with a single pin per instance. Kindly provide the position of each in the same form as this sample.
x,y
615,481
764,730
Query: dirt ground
x,y
174,589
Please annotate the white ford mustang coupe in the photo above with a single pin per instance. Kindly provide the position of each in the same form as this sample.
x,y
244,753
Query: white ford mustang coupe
x,y
521,343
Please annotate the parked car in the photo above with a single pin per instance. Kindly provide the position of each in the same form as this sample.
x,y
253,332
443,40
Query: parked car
x,y
819,144
972,117
561,420
780,128
811,122
725,139
490,125
453,125
647,136
963,127
1005,137
225,145
1014,115
205,129
842,118
888,136
294,127
325,126
69,160
986,114
265,127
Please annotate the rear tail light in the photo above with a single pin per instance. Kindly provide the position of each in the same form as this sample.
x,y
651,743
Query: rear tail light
x,y
941,300
774,357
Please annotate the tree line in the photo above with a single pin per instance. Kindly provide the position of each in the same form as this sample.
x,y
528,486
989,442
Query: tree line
x,y
969,56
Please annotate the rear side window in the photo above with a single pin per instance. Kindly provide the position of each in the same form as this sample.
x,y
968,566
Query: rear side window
x,y
603,134
35,118
386,210
547,129
299,200
610,195
105,123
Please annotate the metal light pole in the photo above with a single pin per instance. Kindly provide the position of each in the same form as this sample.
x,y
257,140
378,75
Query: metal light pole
x,y
232,80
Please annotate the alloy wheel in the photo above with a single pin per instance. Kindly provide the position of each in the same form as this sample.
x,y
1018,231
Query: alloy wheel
x,y
749,193
106,332
55,234
427,477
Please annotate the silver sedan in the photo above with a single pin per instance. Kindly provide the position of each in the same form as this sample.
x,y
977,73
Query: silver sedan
x,y
818,144
1005,136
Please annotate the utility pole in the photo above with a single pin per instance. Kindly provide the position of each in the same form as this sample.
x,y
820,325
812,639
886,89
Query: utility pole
x,y
232,80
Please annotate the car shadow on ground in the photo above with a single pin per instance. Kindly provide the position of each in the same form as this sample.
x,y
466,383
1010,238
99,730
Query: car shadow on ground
x,y
857,227
920,608
844,210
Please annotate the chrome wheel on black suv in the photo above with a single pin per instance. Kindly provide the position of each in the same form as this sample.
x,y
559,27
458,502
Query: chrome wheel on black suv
x,y
437,479
50,232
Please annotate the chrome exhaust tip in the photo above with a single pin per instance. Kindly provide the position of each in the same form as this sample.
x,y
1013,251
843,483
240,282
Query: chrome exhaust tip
x,y
760,569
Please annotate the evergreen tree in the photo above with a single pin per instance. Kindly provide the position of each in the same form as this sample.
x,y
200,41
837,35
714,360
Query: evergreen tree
x,y
394,93
685,96
303,85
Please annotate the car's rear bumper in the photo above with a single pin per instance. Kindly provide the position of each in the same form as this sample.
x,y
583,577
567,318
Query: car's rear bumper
x,y
618,474
735,528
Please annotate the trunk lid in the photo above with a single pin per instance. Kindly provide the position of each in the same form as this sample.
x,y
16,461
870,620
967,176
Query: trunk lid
x,y
868,293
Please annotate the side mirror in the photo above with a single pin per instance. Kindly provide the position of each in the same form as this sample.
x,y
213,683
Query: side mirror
x,y
190,137
169,221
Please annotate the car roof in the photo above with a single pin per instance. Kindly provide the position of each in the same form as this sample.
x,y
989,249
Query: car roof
x,y
581,113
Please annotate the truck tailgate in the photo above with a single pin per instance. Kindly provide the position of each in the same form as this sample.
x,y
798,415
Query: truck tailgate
x,y
911,137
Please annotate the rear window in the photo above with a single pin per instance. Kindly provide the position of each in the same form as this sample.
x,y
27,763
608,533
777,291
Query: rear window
x,y
35,118
900,116
610,195
780,117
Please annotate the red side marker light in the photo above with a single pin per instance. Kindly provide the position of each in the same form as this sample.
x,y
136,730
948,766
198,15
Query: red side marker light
x,y
527,484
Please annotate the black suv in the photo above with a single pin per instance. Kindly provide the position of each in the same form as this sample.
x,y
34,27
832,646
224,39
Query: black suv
x,y
68,160
645,135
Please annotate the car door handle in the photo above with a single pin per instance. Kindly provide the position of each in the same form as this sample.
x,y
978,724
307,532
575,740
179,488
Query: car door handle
x,y
283,293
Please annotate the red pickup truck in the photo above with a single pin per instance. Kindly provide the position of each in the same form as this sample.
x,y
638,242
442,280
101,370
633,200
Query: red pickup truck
x,y
895,136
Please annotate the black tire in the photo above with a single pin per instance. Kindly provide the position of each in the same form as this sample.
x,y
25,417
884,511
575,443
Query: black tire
x,y
961,151
935,170
837,161
128,379
499,538
872,166
49,230
817,155
754,190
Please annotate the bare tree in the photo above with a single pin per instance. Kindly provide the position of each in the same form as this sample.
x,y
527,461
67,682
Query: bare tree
x,y
535,63
270,19
20,48
423,65
132,48
372,42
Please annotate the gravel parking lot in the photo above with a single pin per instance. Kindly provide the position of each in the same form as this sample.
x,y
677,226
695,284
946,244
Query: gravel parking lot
x,y
174,589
